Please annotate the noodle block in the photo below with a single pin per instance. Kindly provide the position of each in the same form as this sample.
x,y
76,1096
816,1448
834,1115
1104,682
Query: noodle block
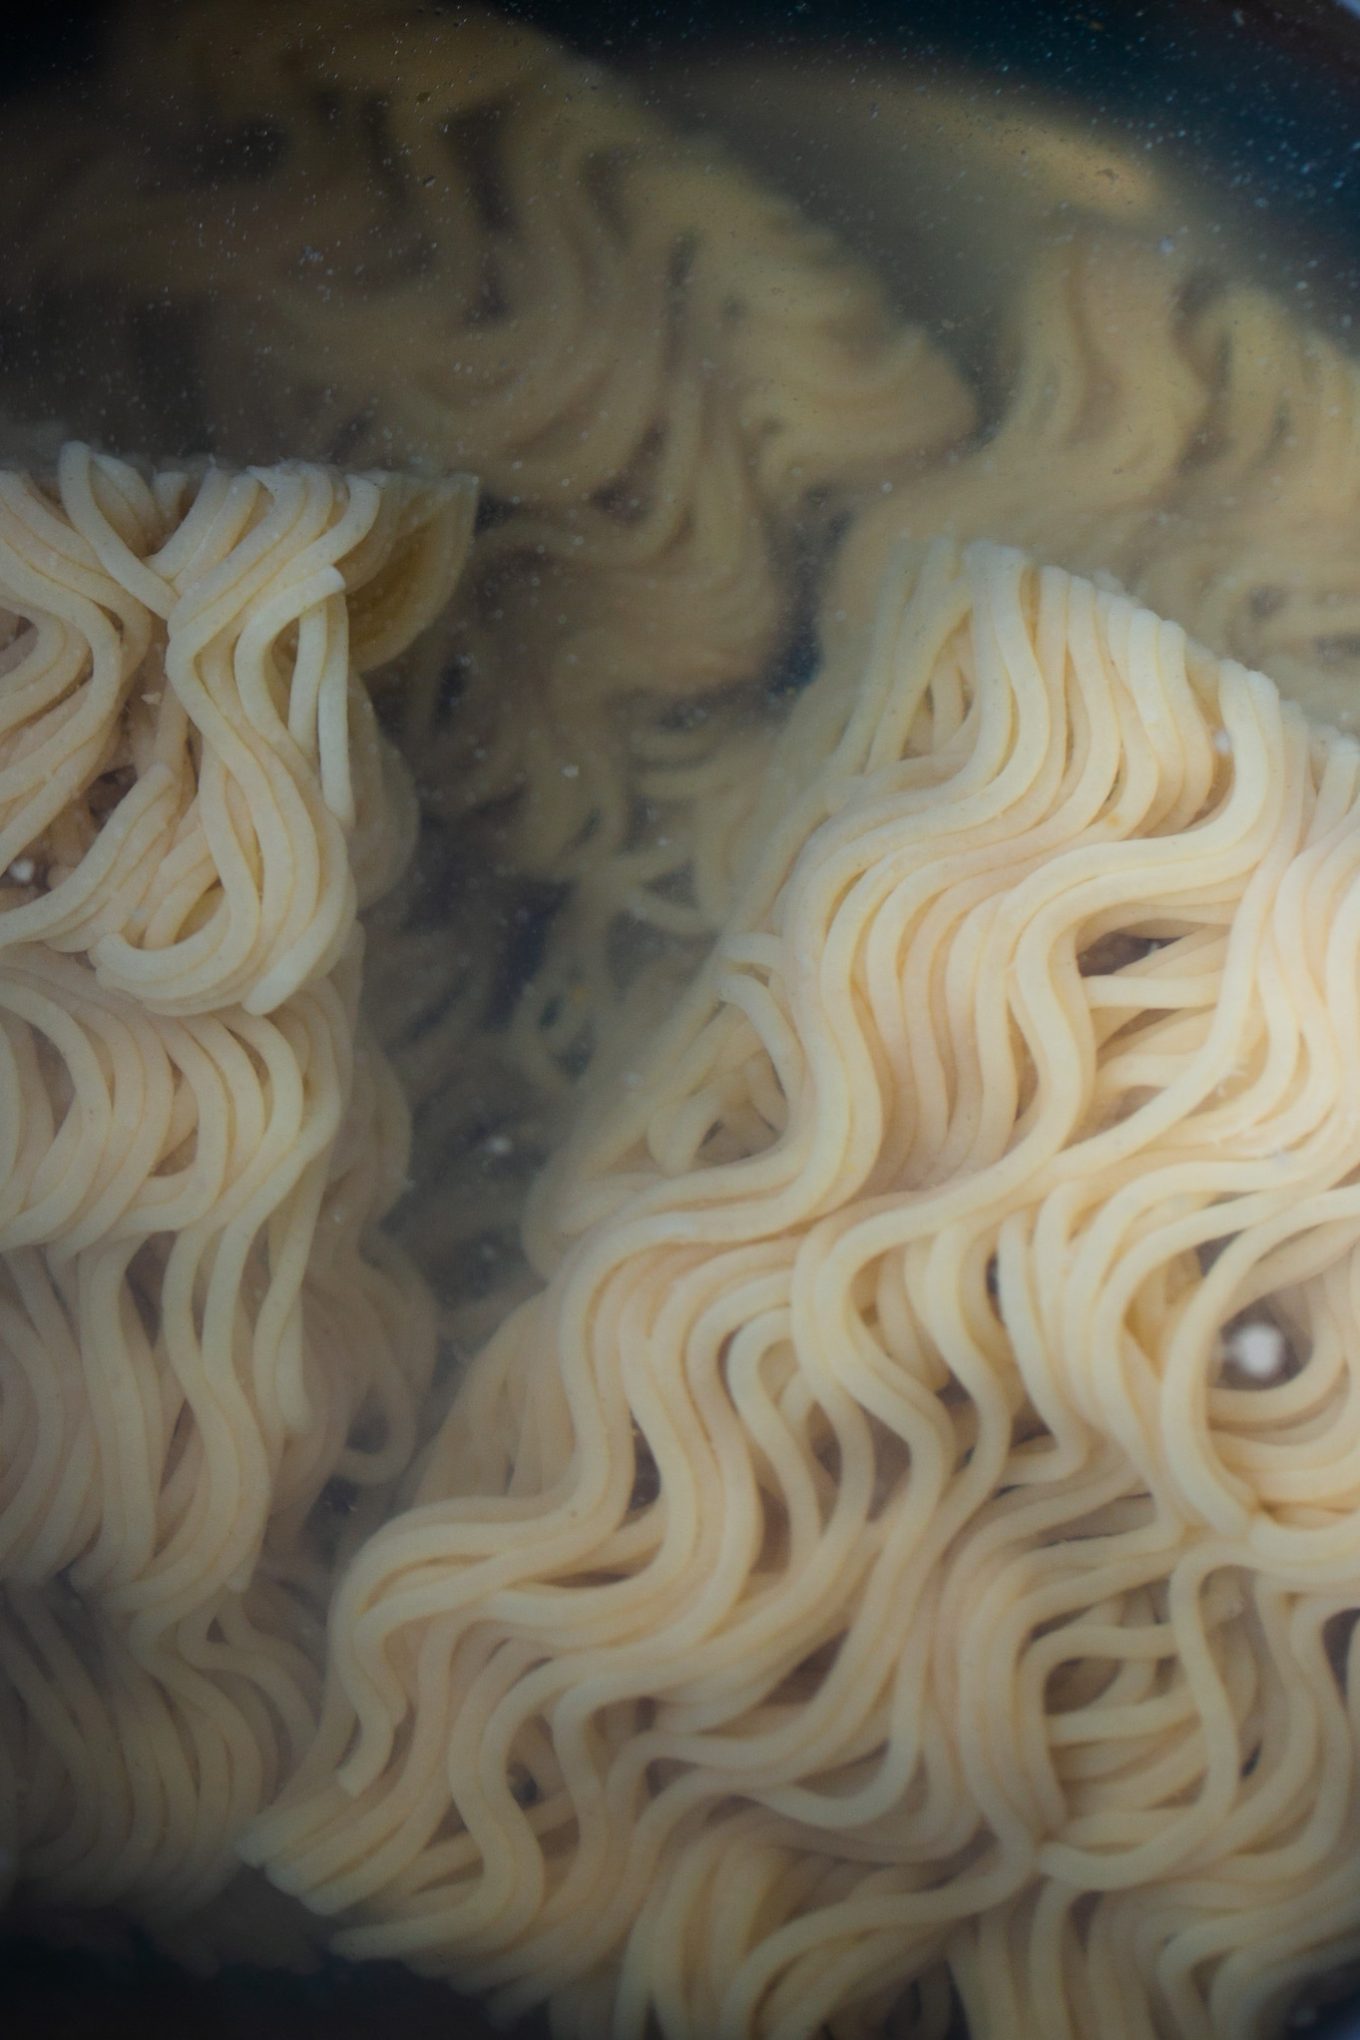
x,y
864,1570
213,1357
194,790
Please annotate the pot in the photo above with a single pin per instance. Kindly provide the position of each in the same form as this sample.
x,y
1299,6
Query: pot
x,y
936,139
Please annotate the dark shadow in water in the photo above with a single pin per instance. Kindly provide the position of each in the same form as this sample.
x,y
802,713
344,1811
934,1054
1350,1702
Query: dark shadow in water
x,y
65,1995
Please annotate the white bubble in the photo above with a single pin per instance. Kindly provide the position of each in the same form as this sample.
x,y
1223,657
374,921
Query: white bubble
x,y
1257,1350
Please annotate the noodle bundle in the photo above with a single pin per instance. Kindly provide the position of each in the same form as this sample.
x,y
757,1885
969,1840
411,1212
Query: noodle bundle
x,y
212,1360
251,1242
132,1770
1188,436
870,1561
262,806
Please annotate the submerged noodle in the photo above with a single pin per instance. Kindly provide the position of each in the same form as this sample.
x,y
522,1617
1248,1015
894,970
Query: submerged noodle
x,y
1188,436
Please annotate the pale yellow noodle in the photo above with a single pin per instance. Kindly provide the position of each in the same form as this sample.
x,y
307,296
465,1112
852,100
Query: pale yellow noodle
x,y
863,1510
227,697
212,1359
